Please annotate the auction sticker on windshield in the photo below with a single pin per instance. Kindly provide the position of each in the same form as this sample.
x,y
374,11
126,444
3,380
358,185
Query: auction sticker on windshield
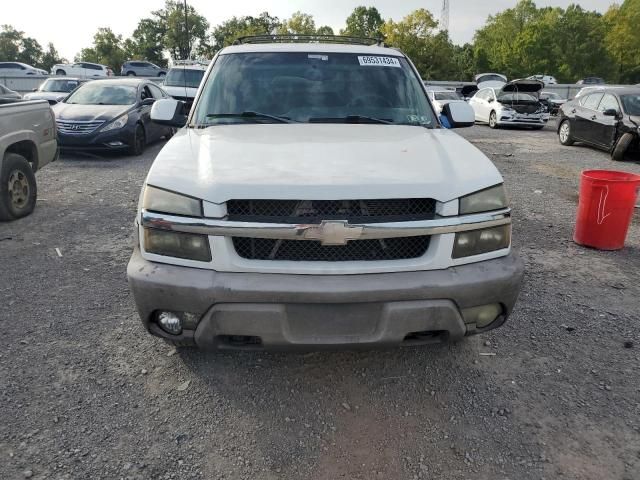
x,y
379,62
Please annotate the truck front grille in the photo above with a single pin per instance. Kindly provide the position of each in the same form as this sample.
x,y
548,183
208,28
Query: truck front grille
x,y
315,211
312,251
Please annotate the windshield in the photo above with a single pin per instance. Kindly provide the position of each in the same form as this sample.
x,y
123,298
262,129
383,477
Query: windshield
x,y
182,77
310,87
447,96
631,104
59,85
516,97
103,93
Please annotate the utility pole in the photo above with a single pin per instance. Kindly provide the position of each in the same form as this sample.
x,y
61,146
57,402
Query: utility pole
x,y
186,31
444,16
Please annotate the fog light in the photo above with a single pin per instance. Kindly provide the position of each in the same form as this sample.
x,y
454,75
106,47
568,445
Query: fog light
x,y
482,316
170,323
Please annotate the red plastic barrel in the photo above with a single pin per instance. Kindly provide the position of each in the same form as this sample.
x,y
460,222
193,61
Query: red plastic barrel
x,y
605,209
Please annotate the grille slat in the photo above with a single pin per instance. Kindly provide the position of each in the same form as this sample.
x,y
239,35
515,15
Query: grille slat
x,y
312,251
315,211
73,127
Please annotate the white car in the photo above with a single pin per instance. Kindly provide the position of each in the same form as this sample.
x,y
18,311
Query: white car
x,y
314,200
516,103
439,98
494,80
182,81
546,79
17,69
82,70
55,90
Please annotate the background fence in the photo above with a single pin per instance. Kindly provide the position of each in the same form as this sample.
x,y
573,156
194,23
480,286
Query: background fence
x,y
29,83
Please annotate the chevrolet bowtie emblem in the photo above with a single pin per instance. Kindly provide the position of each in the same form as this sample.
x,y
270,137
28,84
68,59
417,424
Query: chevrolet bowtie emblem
x,y
333,232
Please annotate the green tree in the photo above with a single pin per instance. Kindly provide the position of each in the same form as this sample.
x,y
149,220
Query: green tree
x,y
14,46
324,30
229,31
299,24
50,57
171,20
622,39
107,49
364,22
147,41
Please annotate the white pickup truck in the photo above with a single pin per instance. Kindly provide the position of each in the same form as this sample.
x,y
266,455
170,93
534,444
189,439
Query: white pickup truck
x,y
27,143
314,200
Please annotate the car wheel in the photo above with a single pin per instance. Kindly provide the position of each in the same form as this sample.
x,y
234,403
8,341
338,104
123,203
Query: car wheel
x,y
18,190
621,147
564,134
139,142
131,74
60,72
493,120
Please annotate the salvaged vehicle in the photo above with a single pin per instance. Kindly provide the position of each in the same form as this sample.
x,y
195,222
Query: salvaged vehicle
x,y
606,118
110,115
493,80
553,101
27,143
314,200
516,103
55,90
440,97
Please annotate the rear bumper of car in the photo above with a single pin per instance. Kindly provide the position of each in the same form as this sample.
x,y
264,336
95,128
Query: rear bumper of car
x,y
286,311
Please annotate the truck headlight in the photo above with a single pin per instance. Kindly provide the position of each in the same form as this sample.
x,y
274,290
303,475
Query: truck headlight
x,y
176,244
162,201
116,124
493,198
477,242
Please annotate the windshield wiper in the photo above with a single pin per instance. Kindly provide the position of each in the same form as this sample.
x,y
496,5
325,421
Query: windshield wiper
x,y
350,119
254,115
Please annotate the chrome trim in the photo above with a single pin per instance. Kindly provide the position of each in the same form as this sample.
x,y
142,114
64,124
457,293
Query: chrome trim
x,y
338,232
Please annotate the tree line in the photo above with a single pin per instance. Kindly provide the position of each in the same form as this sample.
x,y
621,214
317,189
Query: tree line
x,y
524,40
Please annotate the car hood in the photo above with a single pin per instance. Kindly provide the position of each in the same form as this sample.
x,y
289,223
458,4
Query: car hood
x,y
523,86
327,162
68,111
57,96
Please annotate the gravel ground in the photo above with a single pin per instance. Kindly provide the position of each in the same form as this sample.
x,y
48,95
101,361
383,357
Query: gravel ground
x,y
86,393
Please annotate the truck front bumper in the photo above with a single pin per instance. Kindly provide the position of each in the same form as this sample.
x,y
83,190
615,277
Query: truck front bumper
x,y
249,310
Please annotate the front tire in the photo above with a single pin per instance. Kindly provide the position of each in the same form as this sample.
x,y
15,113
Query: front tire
x,y
493,120
139,142
564,134
131,74
18,189
61,72
621,147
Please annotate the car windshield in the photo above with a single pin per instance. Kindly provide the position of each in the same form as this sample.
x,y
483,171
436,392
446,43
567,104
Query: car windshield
x,y
314,87
516,97
184,77
59,85
447,96
103,93
631,103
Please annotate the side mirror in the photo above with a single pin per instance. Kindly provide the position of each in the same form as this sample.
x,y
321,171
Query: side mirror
x,y
459,115
169,112
148,101
611,112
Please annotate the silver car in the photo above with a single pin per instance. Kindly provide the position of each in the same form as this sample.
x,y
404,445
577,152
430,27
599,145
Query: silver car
x,y
17,69
142,69
8,96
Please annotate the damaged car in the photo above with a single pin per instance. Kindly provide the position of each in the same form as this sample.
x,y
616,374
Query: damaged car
x,y
516,103
607,118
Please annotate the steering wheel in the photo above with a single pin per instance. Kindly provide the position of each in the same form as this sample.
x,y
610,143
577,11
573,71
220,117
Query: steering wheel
x,y
370,100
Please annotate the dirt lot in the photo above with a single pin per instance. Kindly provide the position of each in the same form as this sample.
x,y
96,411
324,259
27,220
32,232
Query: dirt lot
x,y
86,393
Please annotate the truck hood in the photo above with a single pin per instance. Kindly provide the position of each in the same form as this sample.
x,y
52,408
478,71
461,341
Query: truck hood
x,y
68,111
321,162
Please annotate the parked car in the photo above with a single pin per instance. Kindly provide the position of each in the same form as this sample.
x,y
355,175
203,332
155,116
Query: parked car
x,y
516,103
8,96
314,201
553,101
591,81
111,115
134,68
607,118
182,82
17,69
439,98
27,143
82,70
546,79
55,90
493,80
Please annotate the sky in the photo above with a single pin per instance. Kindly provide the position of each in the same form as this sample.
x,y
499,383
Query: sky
x,y
70,24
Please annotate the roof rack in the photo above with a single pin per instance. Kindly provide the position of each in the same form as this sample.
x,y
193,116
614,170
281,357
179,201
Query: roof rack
x,y
342,39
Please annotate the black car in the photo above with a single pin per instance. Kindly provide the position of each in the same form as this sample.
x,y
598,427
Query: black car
x,y
110,115
606,118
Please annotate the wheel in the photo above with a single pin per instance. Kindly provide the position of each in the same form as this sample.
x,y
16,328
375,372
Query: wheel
x,y
60,72
131,74
621,147
493,120
564,133
139,142
18,190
